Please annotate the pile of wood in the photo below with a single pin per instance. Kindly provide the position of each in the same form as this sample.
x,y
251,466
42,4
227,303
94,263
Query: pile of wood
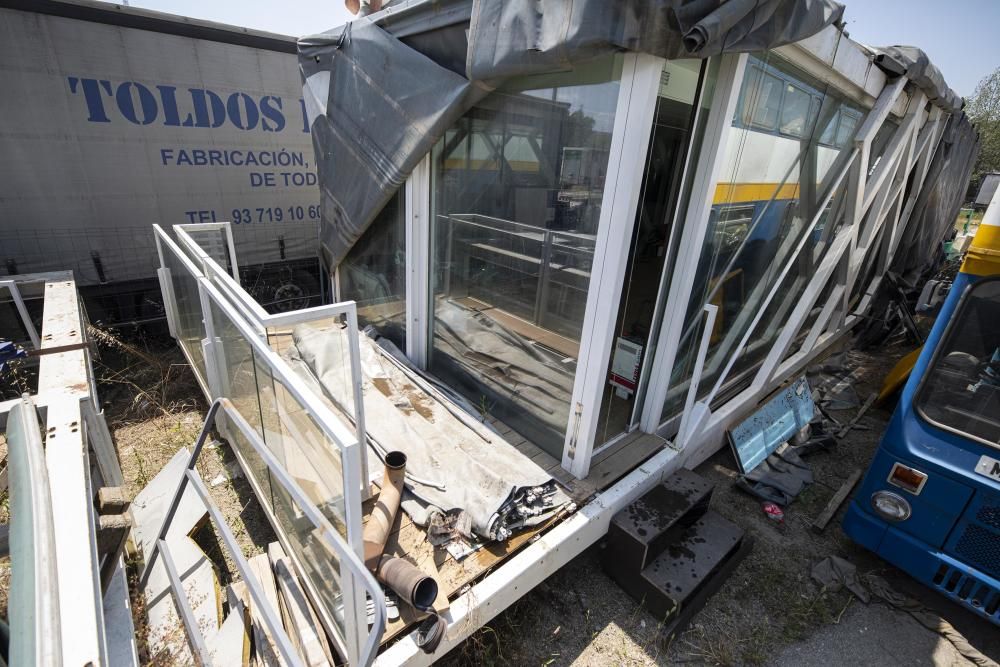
x,y
233,627
244,639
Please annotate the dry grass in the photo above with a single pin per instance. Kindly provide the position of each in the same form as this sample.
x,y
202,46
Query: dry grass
x,y
154,407
581,617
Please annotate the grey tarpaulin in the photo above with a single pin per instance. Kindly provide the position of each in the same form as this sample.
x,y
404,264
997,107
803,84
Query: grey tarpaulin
x,y
937,205
914,63
452,463
377,102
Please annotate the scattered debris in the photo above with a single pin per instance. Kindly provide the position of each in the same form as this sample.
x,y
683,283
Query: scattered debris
x,y
835,573
845,429
835,502
774,512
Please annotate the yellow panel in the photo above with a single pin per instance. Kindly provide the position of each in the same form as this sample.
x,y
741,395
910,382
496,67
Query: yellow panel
x,y
898,375
738,193
983,258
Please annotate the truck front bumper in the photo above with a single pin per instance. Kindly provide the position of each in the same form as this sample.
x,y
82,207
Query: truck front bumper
x,y
959,581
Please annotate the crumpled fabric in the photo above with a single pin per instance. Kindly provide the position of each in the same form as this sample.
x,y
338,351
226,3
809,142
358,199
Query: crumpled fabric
x,y
780,478
835,573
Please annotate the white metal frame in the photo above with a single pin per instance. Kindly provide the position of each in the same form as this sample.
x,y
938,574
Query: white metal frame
x,y
640,82
350,444
876,217
324,529
224,226
26,322
264,320
712,155
419,291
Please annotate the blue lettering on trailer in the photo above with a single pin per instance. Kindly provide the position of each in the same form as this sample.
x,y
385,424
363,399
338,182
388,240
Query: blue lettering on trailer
x,y
137,103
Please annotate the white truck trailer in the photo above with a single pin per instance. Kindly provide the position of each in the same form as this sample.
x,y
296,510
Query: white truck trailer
x,y
114,116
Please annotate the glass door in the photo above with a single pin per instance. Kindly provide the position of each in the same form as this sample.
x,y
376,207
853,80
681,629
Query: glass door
x,y
676,132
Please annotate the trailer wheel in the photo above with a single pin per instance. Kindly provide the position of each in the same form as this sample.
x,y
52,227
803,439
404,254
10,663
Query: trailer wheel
x,y
295,293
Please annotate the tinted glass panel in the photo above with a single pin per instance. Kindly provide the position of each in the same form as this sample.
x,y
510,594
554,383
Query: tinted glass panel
x,y
374,273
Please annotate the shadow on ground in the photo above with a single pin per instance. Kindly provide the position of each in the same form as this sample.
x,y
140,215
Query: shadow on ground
x,y
769,612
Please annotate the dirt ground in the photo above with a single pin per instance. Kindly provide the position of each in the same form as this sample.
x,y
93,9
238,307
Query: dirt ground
x,y
767,609
154,407
769,612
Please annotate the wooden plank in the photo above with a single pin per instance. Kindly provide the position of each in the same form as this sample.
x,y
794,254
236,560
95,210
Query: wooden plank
x,y
835,502
613,468
231,644
301,622
861,413
266,652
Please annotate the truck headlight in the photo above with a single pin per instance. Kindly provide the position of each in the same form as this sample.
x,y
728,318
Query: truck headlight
x,y
891,506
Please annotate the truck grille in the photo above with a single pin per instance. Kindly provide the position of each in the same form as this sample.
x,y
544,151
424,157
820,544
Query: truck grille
x,y
989,515
980,547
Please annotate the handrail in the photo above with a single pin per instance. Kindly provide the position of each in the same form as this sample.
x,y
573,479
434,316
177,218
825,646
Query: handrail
x,y
330,537
216,304
34,591
229,286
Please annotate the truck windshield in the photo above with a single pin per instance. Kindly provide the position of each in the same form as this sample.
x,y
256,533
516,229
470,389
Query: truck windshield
x,y
961,391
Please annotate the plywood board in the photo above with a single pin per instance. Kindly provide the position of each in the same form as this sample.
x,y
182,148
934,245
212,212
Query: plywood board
x,y
266,648
230,645
301,622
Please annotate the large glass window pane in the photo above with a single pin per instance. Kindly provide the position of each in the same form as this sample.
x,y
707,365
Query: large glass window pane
x,y
187,300
517,189
374,273
771,188
961,392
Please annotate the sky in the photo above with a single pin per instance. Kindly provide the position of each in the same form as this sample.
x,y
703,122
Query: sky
x,y
958,35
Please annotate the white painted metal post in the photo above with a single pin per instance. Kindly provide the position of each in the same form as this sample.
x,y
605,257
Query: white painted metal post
x,y
713,151
419,291
227,226
629,143
691,418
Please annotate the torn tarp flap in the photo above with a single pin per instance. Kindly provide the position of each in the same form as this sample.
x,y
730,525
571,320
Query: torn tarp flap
x,y
387,103
920,250
914,63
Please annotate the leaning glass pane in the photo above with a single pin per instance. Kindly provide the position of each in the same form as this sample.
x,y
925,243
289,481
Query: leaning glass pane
x,y
774,208
516,203
187,300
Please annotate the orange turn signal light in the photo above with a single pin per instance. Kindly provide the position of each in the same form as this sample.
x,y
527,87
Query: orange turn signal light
x,y
907,478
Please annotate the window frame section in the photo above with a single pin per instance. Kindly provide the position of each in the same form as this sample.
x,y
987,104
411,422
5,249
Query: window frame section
x,y
954,328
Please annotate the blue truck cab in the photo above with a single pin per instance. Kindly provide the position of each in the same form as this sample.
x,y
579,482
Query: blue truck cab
x,y
930,501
